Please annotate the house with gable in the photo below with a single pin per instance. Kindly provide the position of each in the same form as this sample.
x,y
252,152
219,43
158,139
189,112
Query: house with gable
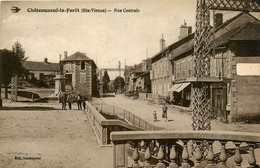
x,y
81,74
234,86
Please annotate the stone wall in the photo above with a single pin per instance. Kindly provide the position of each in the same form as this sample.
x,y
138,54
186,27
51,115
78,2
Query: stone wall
x,y
245,93
142,96
83,79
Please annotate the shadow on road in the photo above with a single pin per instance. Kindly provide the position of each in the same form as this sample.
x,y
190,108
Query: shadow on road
x,y
35,108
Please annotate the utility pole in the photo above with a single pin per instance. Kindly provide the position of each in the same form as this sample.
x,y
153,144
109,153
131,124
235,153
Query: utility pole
x,y
119,68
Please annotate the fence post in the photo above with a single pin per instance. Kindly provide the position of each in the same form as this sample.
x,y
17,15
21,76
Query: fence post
x,y
120,155
133,119
139,122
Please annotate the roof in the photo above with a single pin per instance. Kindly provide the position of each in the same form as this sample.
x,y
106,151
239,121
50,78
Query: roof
x,y
138,68
243,32
248,31
40,66
78,56
174,45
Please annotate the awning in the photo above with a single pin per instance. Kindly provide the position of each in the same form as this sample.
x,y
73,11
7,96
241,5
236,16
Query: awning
x,y
175,87
183,86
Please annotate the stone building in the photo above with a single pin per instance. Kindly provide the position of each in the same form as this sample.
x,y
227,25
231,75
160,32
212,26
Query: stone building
x,y
135,72
43,71
143,81
161,73
236,43
127,75
162,69
81,74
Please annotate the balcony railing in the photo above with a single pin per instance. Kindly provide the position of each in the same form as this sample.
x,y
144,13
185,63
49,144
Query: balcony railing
x,y
173,149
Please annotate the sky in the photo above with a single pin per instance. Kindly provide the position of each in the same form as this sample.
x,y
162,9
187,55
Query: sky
x,y
105,37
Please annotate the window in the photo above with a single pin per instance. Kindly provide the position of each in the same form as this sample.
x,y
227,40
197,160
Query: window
x,y
82,65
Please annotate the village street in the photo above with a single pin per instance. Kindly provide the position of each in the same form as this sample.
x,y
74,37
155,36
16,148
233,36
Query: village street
x,y
39,137
45,136
178,120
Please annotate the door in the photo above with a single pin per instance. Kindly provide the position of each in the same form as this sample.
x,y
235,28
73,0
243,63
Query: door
x,y
219,96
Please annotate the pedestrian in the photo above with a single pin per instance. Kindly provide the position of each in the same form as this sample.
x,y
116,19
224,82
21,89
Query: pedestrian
x,y
60,99
164,114
79,101
69,100
84,102
154,116
64,101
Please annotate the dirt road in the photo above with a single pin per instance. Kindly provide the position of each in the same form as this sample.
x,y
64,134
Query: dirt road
x,y
50,139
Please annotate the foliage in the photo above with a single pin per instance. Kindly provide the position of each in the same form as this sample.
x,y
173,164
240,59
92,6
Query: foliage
x,y
119,83
19,51
147,84
105,81
12,64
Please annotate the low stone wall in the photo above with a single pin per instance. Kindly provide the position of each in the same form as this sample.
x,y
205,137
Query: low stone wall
x,y
103,127
144,96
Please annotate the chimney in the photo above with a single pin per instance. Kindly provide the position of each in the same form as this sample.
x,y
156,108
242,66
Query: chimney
x,y
65,54
162,43
218,19
185,31
45,60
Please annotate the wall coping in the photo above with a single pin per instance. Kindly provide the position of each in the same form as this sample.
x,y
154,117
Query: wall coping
x,y
186,135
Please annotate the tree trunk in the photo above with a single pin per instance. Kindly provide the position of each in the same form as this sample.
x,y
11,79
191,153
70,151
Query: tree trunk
x,y
6,92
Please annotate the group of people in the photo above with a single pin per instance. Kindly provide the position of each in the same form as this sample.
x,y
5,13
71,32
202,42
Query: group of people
x,y
68,98
164,113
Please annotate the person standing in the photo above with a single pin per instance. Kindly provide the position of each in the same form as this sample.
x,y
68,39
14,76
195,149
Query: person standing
x,y
69,100
79,102
64,101
84,102
164,114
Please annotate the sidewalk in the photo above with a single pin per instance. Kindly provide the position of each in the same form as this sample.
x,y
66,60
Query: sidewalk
x,y
178,120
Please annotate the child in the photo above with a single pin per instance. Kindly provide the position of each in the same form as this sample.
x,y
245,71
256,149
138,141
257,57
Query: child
x,y
154,116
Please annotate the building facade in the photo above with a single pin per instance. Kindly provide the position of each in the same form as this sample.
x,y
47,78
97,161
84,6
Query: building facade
x,y
127,75
81,74
41,71
236,43
143,81
161,73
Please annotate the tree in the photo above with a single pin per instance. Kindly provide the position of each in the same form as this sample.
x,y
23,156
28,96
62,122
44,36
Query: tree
x,y
105,81
119,83
12,64
19,52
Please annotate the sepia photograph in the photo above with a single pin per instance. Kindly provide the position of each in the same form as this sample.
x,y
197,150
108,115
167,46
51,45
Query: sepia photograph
x,y
130,84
